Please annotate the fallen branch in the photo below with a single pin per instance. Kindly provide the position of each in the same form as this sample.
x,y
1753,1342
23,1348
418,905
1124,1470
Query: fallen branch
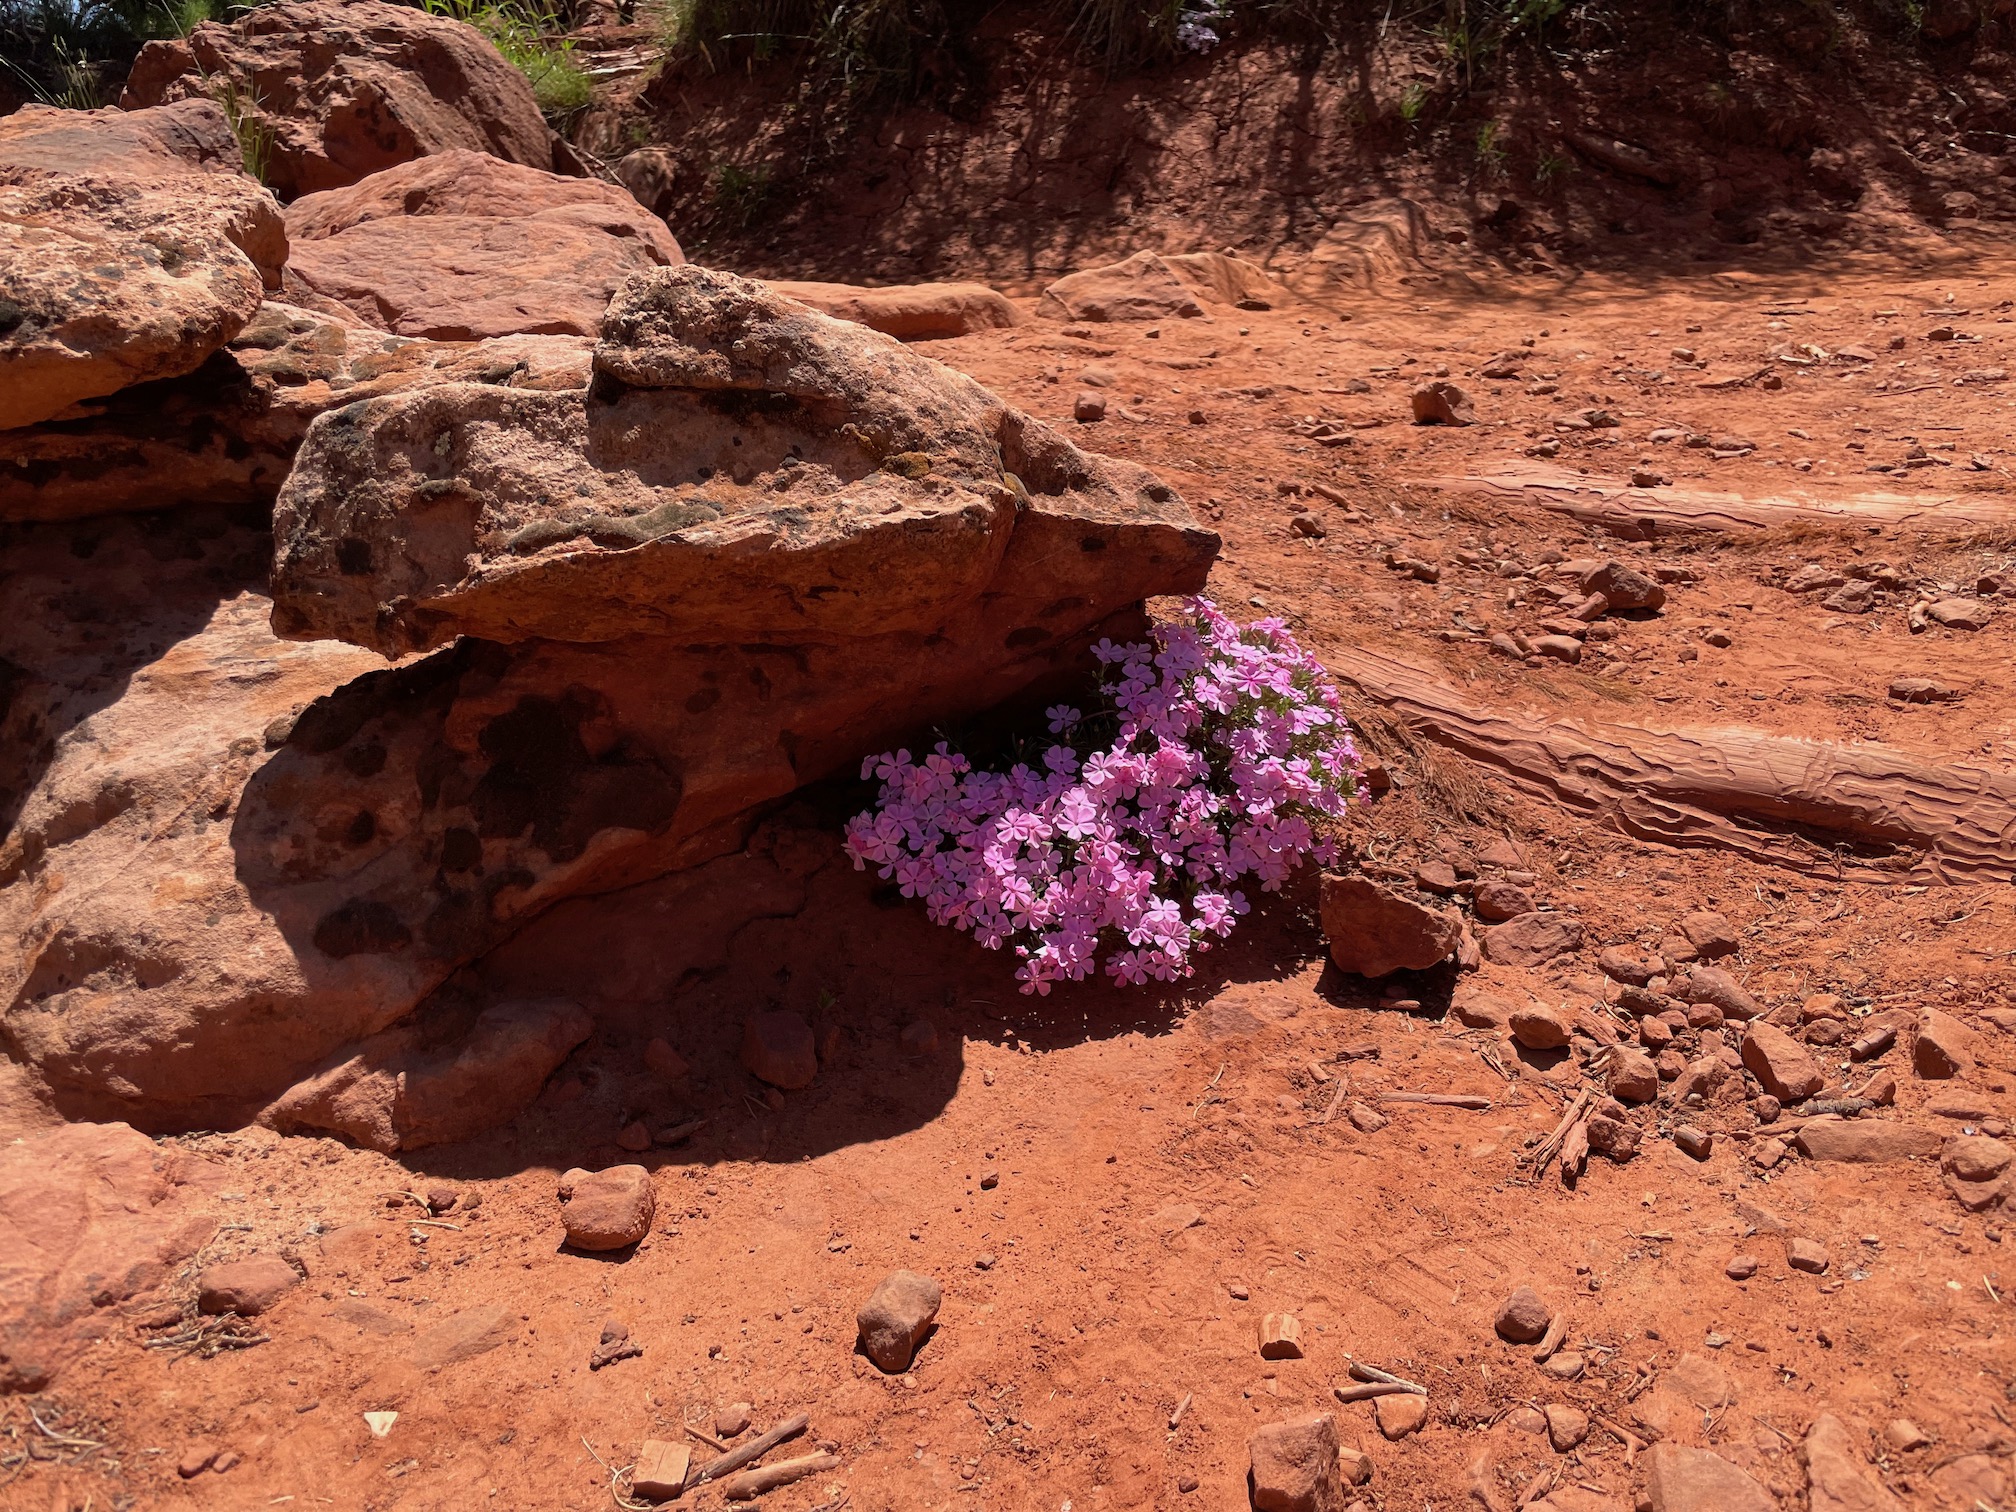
x,y
1439,1100
1360,1371
1546,1150
1371,1389
1631,1442
748,1453
1860,811
1575,1151
751,1484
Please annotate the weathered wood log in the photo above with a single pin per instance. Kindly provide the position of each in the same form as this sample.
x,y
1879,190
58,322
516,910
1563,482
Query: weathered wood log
x,y
1862,811
751,1484
1439,1100
755,1449
1637,514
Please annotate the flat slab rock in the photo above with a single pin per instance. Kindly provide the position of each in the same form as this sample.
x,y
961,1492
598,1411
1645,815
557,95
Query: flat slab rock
x,y
92,1216
743,467
909,312
227,432
462,246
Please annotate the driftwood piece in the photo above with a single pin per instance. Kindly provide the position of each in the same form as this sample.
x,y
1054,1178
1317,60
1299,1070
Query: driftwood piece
x,y
1439,1100
1862,811
1360,1371
1637,514
751,1484
1370,1389
747,1453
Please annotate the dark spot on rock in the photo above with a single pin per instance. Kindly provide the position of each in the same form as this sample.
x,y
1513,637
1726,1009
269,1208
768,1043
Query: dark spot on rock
x,y
1062,606
460,849
366,760
542,778
362,830
361,927
1027,636
702,701
353,556
1092,543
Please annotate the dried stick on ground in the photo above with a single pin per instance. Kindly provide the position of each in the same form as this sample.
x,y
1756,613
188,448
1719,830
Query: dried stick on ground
x,y
748,1453
1546,1150
751,1484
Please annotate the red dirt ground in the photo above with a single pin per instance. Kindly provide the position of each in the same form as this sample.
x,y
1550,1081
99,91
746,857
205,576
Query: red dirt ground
x,y
1055,1373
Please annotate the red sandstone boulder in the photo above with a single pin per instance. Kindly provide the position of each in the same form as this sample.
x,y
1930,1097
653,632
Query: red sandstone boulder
x,y
463,246
344,88
227,432
1151,286
131,248
909,312
762,543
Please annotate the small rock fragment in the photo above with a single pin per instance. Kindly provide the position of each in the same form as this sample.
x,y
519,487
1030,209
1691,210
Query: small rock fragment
x,y
1442,403
1780,1063
660,1473
1698,1143
1903,1435
1522,1317
1921,690
1807,1255
196,1460
1538,1027
1834,1469
663,1062
615,1345
1710,934
1944,1047
1627,966
896,1317
1532,939
920,1037
1633,1077
245,1287
1697,1480
609,1209
1496,901
1088,408
1567,1426
1400,1414
779,1048
1625,587
1295,1468
1374,932
731,1420
1864,1141
1280,1337
1976,1157
1740,1267
634,1137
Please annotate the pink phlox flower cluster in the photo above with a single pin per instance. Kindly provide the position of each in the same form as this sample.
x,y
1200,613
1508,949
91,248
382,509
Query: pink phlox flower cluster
x,y
1220,748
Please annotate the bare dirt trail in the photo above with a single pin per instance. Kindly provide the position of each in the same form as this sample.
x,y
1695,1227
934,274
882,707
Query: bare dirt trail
x,y
1171,1169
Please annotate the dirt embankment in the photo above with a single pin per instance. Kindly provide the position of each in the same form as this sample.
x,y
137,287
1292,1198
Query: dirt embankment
x,y
1644,137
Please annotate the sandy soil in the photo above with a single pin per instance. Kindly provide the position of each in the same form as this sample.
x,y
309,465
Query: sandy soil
x,y
1168,1171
